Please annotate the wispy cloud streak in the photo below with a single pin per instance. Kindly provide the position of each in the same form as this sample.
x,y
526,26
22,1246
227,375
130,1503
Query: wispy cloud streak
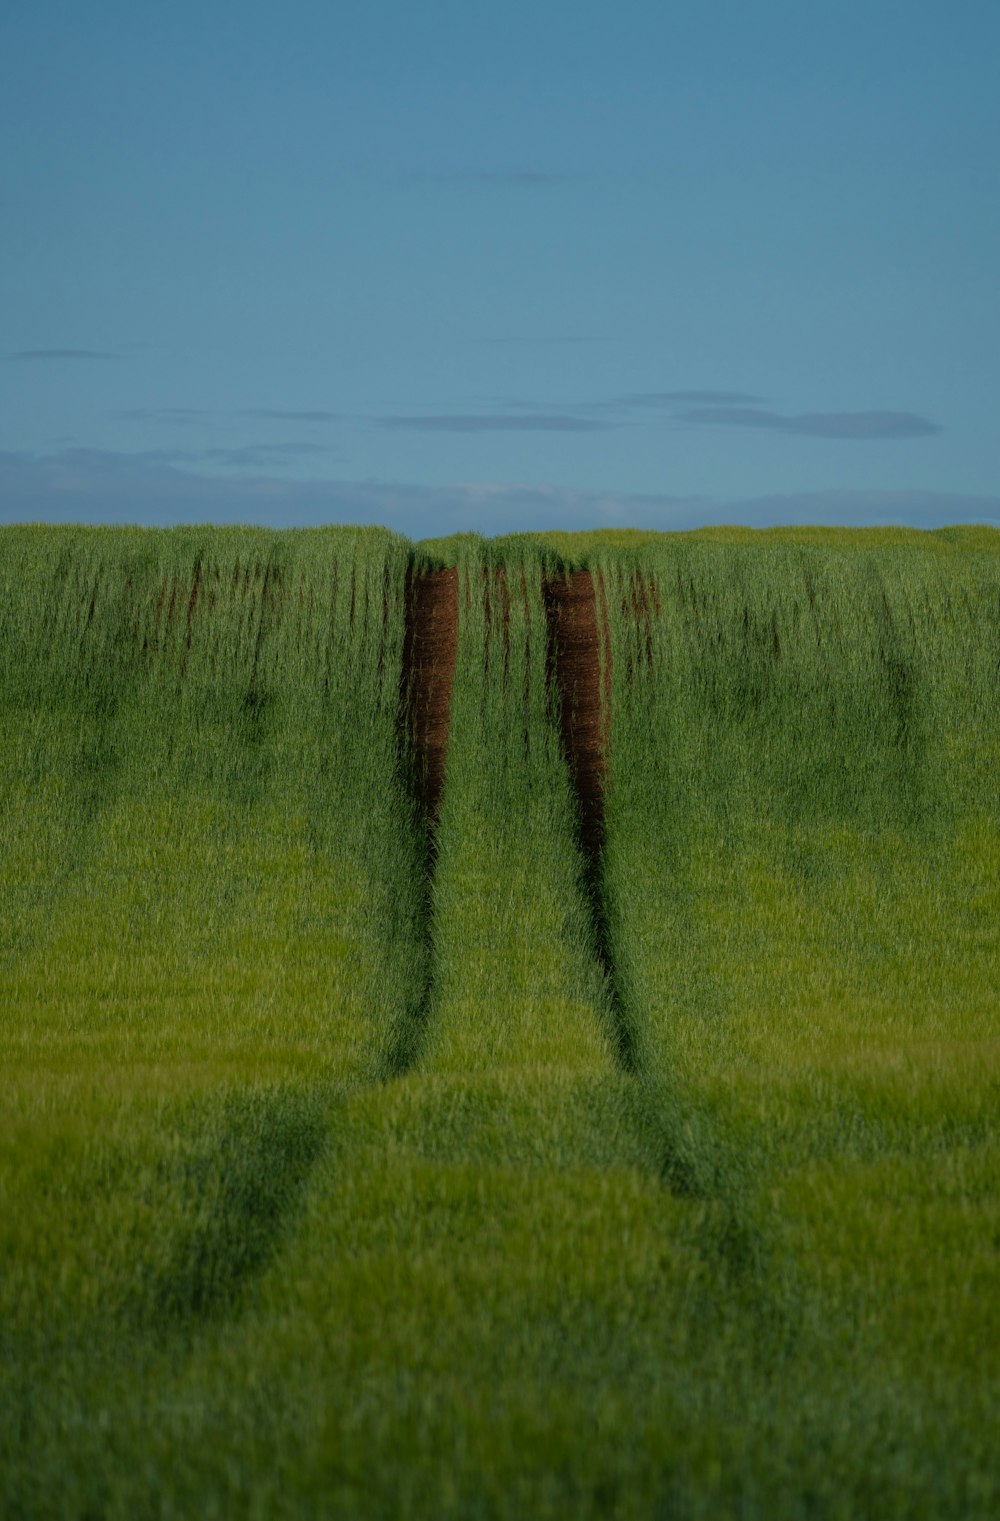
x,y
541,340
95,486
496,422
514,177
239,456
846,425
687,398
30,356
281,414
171,415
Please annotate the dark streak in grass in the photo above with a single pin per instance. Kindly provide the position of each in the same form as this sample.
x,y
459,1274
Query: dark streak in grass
x,y
427,675
430,649
578,662
240,1191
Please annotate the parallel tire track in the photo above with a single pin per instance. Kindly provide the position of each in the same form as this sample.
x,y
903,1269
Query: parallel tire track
x,y
430,652
579,665
583,680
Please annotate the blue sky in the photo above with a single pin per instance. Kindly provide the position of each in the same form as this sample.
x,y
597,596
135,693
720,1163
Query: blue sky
x,y
500,266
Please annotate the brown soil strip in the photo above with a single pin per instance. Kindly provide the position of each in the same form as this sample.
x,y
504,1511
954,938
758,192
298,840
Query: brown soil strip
x,y
430,649
576,637
579,661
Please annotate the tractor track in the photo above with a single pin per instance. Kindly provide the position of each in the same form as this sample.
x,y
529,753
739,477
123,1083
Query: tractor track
x,y
430,652
579,665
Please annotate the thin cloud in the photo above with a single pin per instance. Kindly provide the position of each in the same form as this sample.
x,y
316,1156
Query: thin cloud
x,y
183,415
688,398
840,425
33,355
519,179
542,339
279,414
97,486
262,454
512,178
491,422
241,456
198,414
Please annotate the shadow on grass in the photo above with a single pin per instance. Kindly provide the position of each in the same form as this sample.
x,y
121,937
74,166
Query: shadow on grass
x,y
236,1190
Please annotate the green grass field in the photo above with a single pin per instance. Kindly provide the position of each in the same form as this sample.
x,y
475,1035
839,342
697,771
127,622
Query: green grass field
x,y
355,1168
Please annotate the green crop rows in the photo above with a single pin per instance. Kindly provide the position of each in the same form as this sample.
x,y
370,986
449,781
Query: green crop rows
x,y
354,1169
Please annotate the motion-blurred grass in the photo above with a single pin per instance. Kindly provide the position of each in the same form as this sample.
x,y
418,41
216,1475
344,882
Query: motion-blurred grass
x,y
323,1187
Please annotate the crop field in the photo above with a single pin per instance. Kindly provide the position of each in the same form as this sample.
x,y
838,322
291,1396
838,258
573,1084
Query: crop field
x,y
499,1028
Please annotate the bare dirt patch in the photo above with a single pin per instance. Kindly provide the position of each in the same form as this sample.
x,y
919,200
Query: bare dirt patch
x,y
579,659
430,649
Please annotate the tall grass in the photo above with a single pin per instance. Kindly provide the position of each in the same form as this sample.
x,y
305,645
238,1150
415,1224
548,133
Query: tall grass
x,y
802,809
199,768
322,1189
507,844
211,906
801,877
